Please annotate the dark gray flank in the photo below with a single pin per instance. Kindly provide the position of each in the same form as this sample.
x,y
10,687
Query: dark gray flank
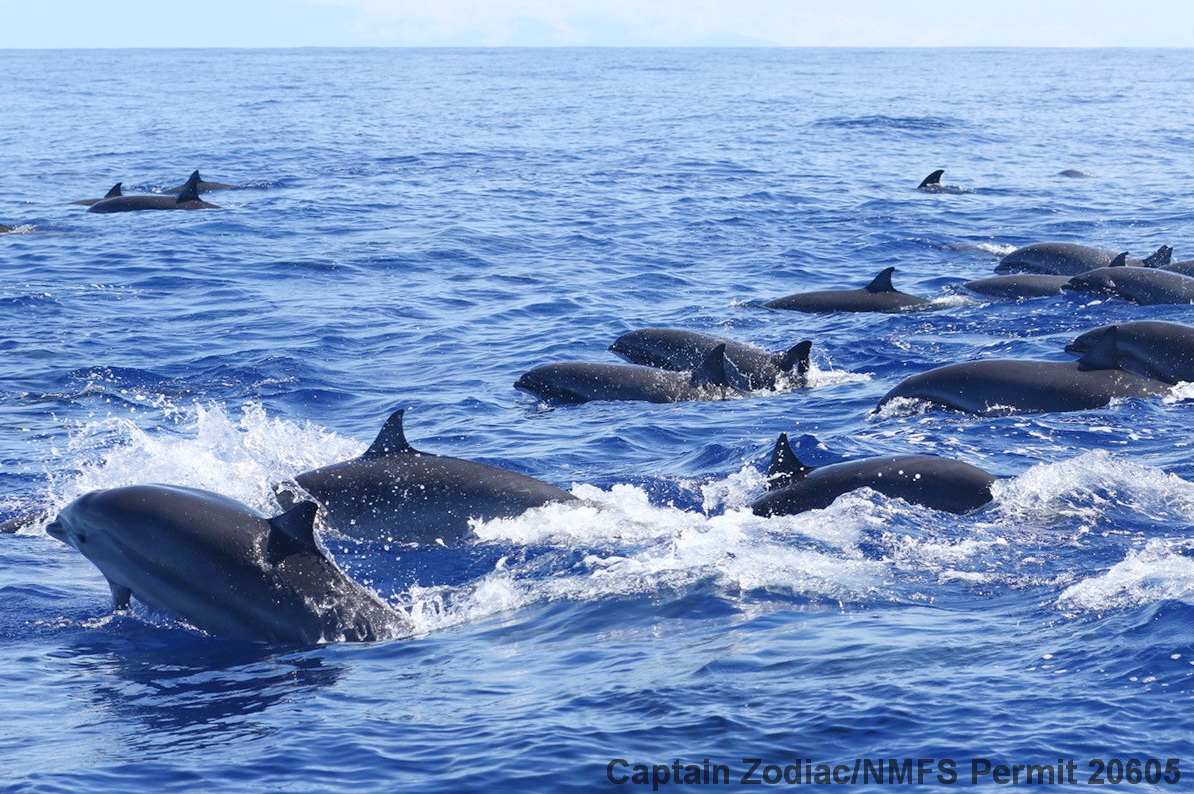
x,y
222,567
394,492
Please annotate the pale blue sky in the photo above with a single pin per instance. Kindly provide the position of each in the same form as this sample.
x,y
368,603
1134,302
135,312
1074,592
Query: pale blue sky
x,y
879,23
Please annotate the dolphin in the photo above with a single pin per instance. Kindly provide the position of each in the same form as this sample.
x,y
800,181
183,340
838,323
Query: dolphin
x,y
221,566
394,492
188,199
1001,386
1159,350
932,184
5,229
1019,285
1144,285
201,184
574,382
1074,173
113,193
680,350
939,483
878,296
1070,259
1185,267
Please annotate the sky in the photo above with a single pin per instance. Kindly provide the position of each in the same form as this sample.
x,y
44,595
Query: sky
x,y
659,23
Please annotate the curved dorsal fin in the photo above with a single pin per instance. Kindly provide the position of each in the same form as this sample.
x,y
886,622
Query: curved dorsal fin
x,y
190,191
292,531
115,191
796,356
1160,258
932,179
785,468
391,440
1104,354
882,282
1121,260
717,369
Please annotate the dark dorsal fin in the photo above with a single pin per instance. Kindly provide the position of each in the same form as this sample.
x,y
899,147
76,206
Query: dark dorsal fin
x,y
1104,354
785,468
293,531
1160,258
391,440
717,369
932,179
190,191
882,282
796,357
115,191
121,595
1120,260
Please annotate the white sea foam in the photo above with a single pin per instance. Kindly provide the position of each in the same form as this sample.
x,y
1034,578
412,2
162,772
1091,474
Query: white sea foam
x,y
238,455
1163,570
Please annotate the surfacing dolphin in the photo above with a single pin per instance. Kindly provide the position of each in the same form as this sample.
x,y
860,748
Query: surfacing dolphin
x,y
939,483
932,184
188,199
396,493
112,193
878,296
1018,286
201,184
1002,386
683,351
221,566
573,382
1070,259
1147,286
1159,350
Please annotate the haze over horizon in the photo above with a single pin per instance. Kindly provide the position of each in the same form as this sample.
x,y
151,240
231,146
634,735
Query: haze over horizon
x,y
535,23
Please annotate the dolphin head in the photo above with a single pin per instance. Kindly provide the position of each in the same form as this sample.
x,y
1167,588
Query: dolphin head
x,y
554,382
641,347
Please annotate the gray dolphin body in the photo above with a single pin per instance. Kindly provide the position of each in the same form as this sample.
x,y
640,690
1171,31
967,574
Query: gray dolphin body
x,y
878,296
573,382
1019,285
201,184
188,199
1144,285
1001,386
1070,259
394,492
112,193
221,566
5,229
1159,350
939,483
680,350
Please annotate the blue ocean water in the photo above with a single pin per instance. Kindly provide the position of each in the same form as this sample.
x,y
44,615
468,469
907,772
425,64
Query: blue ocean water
x,y
419,227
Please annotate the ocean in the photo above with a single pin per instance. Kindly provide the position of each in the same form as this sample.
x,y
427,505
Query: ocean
x,y
419,227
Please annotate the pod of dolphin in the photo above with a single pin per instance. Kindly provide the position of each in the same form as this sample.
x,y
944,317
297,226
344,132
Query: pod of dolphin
x,y
226,569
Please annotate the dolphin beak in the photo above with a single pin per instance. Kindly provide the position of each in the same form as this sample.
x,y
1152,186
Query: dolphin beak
x,y
55,530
